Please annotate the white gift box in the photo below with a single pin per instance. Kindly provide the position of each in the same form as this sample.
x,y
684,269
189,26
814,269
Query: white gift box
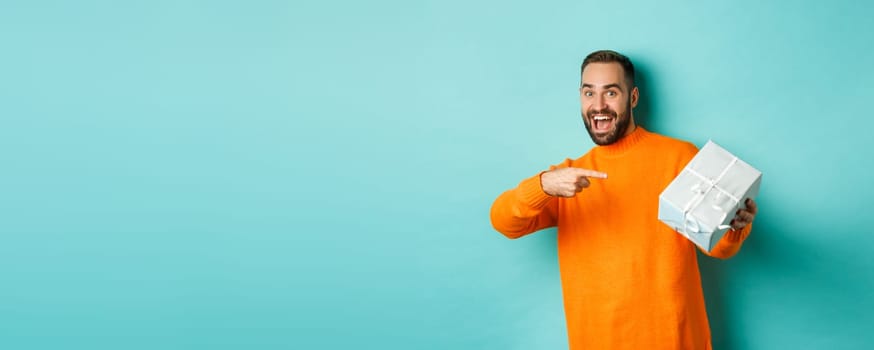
x,y
703,199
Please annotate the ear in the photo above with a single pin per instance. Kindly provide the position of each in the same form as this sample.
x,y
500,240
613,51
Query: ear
x,y
635,96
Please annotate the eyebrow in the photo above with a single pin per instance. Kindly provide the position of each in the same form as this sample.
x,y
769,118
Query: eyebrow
x,y
608,86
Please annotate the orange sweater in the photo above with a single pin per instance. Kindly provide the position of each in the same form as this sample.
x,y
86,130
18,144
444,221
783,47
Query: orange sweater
x,y
629,281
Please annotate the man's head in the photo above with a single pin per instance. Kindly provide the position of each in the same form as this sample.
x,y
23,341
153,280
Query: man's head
x,y
607,96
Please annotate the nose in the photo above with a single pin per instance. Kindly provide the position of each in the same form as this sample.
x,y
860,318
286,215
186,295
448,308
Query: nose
x,y
598,102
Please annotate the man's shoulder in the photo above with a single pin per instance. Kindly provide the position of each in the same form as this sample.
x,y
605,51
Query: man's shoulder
x,y
670,144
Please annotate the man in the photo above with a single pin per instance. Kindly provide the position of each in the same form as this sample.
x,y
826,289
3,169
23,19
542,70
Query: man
x,y
629,281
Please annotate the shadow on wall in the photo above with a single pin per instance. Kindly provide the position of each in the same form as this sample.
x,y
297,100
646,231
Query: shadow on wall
x,y
805,283
814,294
645,105
719,306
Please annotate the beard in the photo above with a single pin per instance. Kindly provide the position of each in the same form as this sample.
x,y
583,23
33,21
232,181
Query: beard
x,y
620,125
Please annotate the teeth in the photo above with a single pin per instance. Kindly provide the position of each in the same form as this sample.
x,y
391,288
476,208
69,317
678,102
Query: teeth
x,y
601,117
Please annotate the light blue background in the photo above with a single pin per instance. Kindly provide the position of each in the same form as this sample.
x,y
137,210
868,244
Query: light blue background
x,y
318,174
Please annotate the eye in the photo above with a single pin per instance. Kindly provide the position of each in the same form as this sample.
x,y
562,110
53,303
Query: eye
x,y
587,93
611,93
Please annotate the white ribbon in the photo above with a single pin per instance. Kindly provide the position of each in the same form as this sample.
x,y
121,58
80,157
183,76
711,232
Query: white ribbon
x,y
701,189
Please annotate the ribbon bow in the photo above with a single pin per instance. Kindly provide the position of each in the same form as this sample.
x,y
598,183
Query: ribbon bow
x,y
690,223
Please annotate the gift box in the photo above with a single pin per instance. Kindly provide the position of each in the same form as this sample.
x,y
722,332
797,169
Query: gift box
x,y
703,199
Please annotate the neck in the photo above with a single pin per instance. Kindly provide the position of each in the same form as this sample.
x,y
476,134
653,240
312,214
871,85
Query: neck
x,y
631,125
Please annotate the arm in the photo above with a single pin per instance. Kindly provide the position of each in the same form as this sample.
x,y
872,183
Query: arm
x,y
741,226
730,244
533,205
524,209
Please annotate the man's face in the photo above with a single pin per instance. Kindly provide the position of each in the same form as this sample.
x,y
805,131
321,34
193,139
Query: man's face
x,y
607,101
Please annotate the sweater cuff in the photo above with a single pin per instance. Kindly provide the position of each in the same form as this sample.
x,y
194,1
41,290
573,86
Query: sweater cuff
x,y
531,192
735,236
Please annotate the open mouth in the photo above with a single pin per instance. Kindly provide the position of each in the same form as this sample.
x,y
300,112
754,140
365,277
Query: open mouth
x,y
602,123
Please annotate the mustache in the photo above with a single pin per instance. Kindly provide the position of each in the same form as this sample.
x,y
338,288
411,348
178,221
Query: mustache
x,y
606,111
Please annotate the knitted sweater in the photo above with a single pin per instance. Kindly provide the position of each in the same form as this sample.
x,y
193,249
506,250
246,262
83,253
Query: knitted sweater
x,y
628,280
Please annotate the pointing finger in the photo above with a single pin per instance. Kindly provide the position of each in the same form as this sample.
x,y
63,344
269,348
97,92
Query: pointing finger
x,y
590,173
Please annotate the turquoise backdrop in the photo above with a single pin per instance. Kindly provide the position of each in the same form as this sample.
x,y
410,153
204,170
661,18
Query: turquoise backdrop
x,y
318,174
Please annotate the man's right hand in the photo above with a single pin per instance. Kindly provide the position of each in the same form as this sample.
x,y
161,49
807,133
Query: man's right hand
x,y
567,182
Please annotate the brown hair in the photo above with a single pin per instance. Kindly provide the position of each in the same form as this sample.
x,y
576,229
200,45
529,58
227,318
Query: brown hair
x,y
609,56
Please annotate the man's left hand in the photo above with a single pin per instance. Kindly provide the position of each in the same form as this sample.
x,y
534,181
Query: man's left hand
x,y
744,217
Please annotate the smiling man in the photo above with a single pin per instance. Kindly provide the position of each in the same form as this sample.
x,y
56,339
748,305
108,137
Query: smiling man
x,y
628,280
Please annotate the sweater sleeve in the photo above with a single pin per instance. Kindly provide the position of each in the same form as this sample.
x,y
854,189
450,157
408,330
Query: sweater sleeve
x,y
730,243
524,209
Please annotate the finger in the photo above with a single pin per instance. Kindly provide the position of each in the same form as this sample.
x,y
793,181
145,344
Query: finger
x,y
590,173
751,206
582,183
737,225
745,215
573,189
